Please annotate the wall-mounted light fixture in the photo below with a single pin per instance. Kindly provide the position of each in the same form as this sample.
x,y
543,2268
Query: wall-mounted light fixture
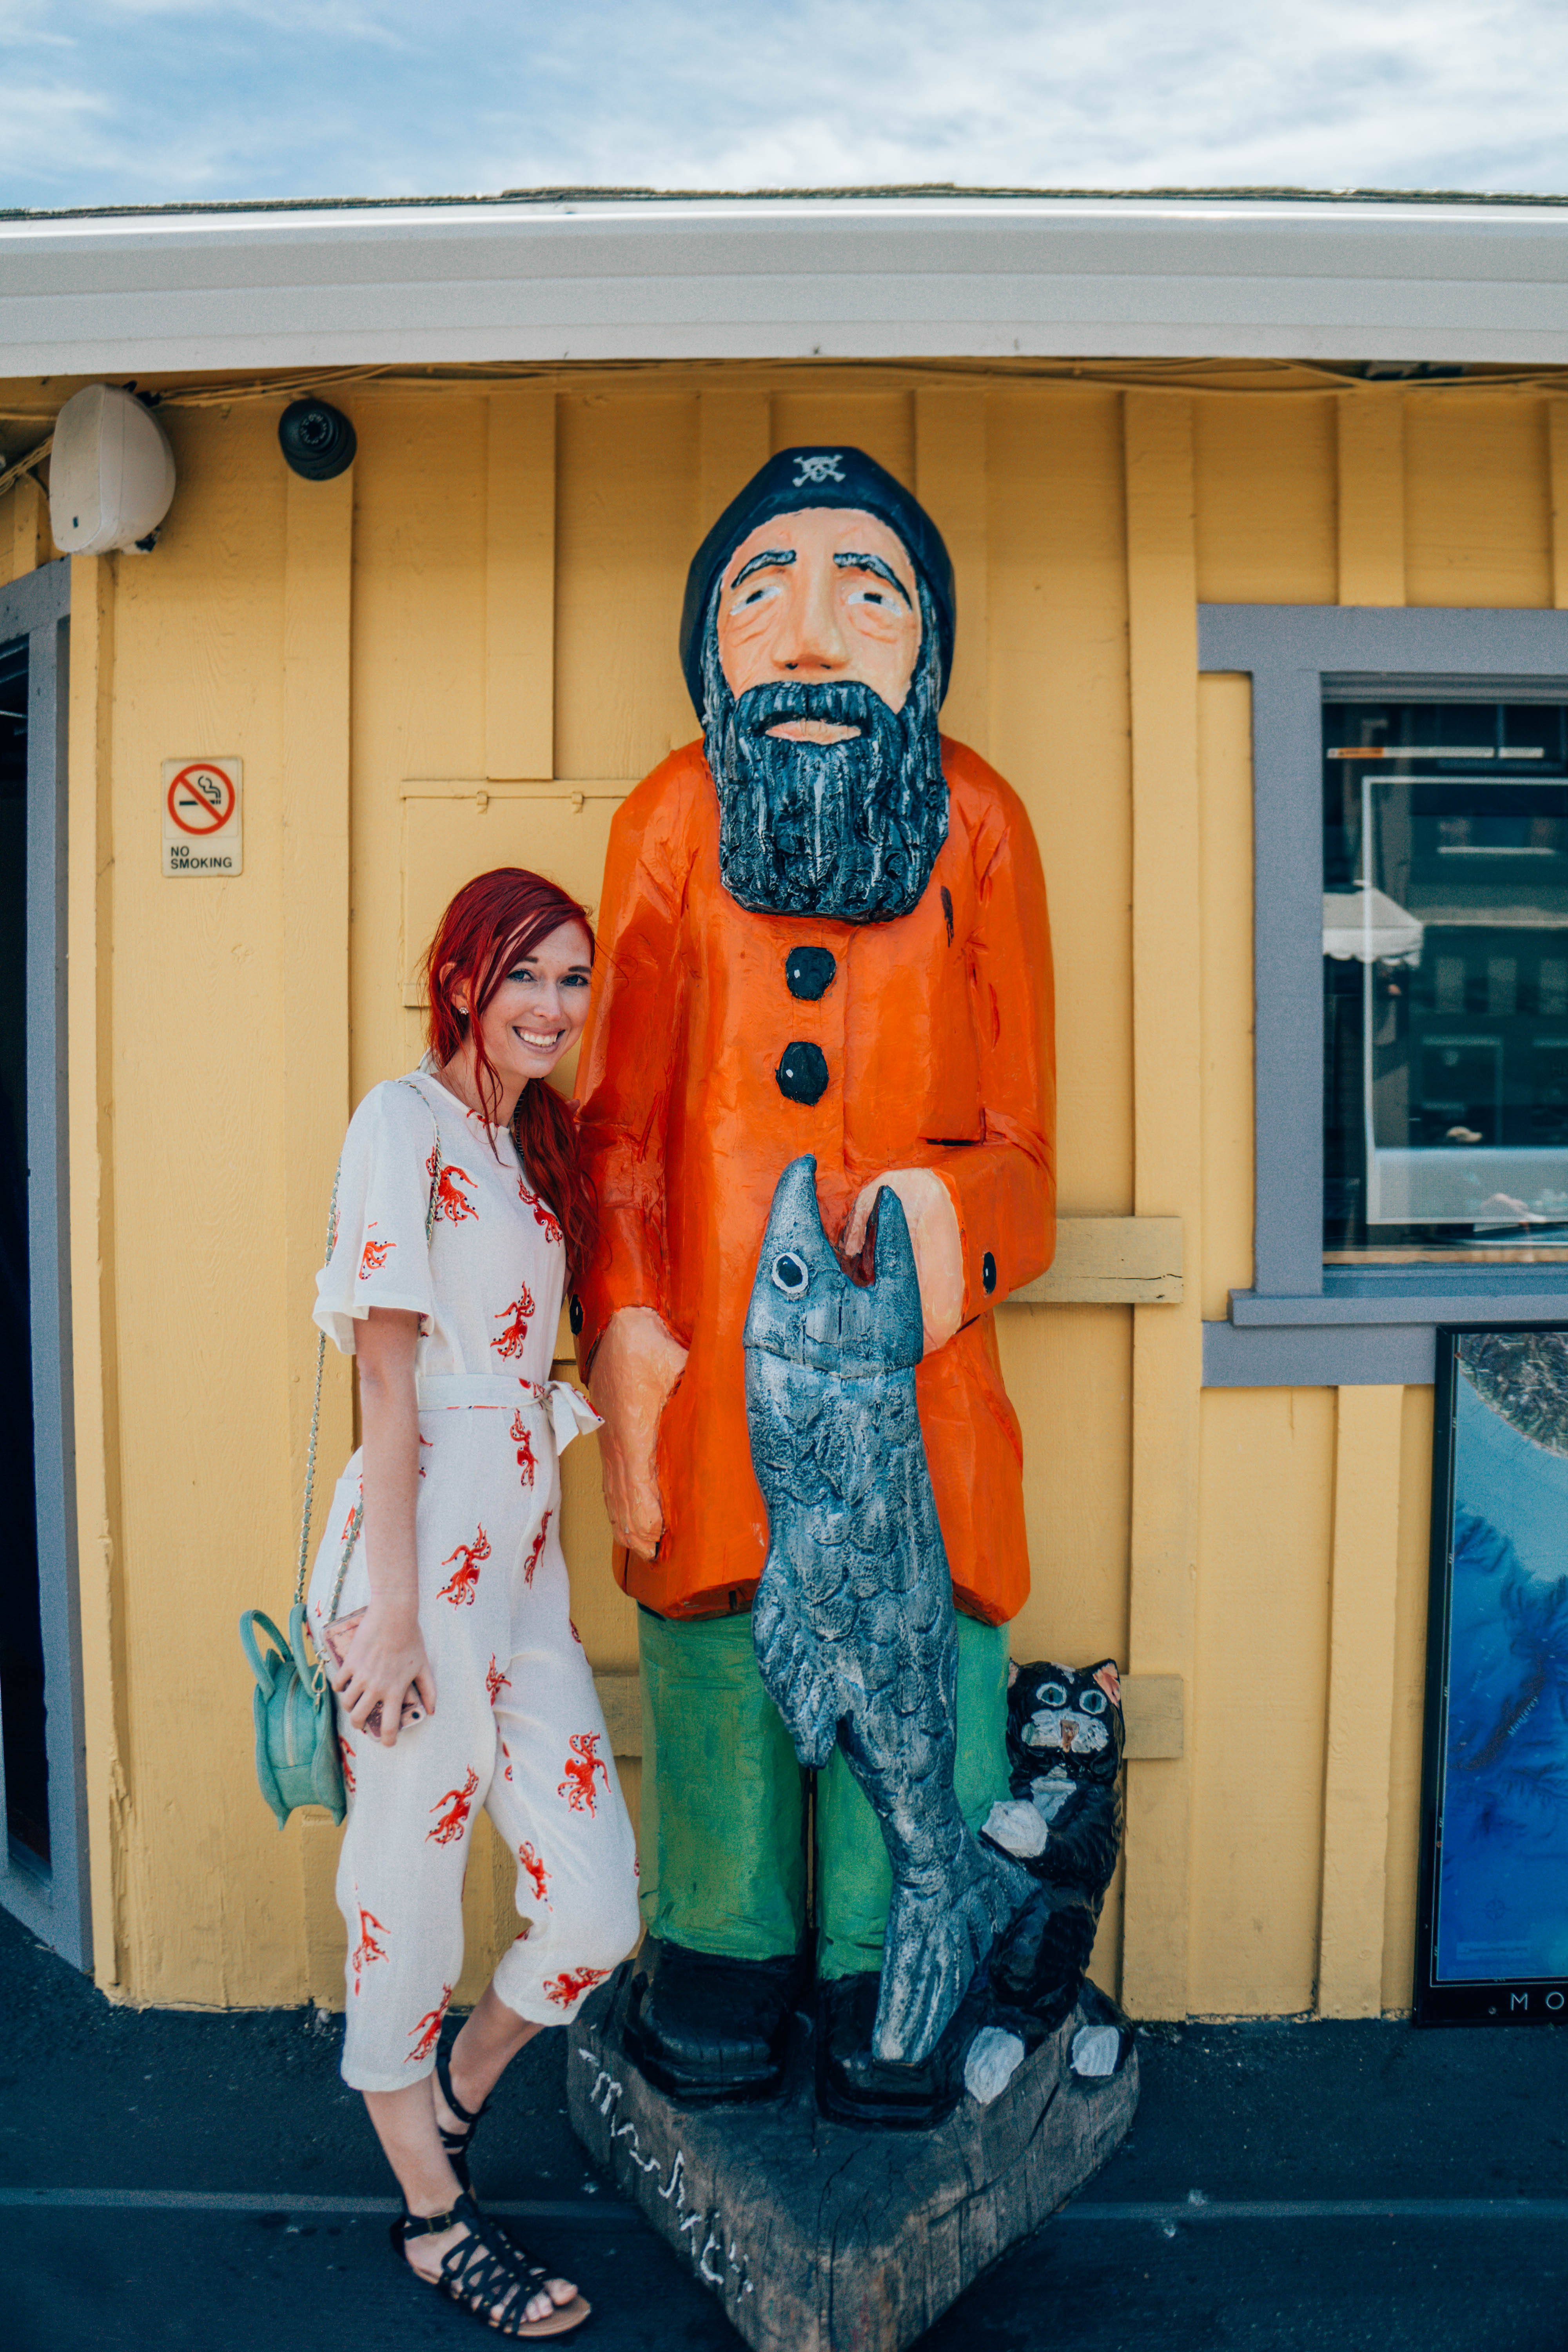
x,y
112,473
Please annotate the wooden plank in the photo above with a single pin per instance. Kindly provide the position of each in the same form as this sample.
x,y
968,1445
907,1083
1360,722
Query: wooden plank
x,y
620,1696
1102,1260
520,584
1167,1347
1154,1706
1154,1709
1557,460
734,440
1371,497
950,482
1478,521
1361,1701
31,541
313,792
94,1349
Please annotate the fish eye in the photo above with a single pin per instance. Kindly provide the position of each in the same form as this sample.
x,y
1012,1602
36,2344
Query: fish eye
x,y
1093,1703
1052,1694
790,1274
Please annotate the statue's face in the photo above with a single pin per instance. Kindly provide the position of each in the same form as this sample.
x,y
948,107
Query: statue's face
x,y
820,698
822,595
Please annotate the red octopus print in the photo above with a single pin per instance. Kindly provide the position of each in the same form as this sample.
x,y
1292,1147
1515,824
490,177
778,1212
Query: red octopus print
x,y
429,2029
451,1202
536,1549
580,1767
368,1949
513,1339
541,1215
431,1443
346,1752
454,1820
376,1257
495,1681
355,1508
532,1864
575,1636
464,1579
571,1984
522,1439
506,1768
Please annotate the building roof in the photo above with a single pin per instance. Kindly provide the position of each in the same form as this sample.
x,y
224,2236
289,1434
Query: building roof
x,y
562,275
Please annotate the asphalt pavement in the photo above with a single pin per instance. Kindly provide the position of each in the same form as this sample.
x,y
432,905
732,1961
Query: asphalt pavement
x,y
199,2183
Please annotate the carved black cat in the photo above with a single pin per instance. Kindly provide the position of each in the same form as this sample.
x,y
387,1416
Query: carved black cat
x,y
1063,1822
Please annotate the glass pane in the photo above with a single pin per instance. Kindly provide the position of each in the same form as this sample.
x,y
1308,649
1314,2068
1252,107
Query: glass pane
x,y
1445,981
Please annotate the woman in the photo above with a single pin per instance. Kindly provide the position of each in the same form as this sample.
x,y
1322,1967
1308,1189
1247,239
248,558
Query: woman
x,y
461,1682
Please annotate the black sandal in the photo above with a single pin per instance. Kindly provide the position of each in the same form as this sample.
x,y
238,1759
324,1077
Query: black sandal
x,y
455,2143
486,2269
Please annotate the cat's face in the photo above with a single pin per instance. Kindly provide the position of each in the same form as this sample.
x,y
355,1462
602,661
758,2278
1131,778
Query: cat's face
x,y
1059,1715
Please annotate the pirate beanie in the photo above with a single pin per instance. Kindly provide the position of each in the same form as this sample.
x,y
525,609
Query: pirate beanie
x,y
818,477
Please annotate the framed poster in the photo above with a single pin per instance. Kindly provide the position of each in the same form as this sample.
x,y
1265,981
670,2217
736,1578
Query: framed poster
x,y
1492,1919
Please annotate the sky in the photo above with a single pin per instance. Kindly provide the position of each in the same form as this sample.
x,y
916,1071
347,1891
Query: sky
x,y
152,102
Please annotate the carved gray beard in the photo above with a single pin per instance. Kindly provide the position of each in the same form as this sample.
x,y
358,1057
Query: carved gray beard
x,y
847,831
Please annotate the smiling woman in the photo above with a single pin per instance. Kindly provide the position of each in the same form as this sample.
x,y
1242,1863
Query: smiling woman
x,y
440,1590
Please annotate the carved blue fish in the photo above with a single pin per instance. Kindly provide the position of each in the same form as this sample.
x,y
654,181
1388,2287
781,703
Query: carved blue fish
x,y
853,1620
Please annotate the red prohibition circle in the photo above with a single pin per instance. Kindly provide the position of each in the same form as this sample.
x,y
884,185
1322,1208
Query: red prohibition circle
x,y
217,816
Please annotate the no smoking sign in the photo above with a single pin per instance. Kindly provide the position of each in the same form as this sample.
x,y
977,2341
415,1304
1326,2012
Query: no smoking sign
x,y
201,817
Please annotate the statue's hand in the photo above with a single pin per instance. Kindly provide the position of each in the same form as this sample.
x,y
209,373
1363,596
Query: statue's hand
x,y
635,1365
934,1236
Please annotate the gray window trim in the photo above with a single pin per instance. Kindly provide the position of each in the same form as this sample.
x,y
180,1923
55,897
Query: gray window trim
x,y
1301,1324
54,1902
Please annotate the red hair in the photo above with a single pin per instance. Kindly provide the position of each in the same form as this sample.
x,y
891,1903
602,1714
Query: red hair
x,y
494,920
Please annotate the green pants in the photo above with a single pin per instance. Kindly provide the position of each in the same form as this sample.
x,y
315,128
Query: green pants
x,y
724,1801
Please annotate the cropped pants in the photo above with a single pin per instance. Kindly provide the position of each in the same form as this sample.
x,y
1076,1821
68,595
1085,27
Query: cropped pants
x,y
517,1729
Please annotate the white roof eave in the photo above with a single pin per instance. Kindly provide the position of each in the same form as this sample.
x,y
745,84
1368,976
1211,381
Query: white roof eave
x,y
791,277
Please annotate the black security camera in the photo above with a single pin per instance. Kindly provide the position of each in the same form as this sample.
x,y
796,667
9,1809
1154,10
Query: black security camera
x,y
317,441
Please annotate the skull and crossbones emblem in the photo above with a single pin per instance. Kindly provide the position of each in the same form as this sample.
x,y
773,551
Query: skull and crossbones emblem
x,y
827,469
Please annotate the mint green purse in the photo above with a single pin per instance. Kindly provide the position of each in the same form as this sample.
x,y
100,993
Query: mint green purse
x,y
298,1760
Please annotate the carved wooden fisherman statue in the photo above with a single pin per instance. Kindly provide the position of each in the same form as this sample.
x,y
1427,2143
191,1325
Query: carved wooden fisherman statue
x,y
823,931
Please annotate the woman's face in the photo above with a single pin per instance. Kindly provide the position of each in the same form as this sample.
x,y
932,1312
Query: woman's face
x,y
538,1010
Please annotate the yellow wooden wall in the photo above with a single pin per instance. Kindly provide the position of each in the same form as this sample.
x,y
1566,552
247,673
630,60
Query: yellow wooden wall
x,y
463,655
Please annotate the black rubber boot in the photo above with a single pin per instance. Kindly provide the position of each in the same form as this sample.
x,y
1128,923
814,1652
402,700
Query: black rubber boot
x,y
702,2028
855,2086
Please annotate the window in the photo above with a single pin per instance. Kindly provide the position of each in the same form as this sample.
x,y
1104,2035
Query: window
x,y
1444,983
1410,800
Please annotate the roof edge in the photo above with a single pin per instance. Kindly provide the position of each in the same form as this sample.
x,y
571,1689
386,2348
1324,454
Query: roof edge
x,y
899,190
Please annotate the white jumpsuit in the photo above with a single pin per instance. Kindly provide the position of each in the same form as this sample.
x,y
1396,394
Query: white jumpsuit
x,y
517,1727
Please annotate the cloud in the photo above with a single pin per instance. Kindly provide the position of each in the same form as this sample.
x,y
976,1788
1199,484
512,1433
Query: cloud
x,y
181,99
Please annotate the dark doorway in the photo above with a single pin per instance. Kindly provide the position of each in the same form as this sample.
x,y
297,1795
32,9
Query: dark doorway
x,y
22,1712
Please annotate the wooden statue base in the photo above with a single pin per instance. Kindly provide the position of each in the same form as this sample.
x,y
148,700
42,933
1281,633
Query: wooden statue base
x,y
817,2237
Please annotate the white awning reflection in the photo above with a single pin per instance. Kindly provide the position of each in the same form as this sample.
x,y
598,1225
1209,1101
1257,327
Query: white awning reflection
x,y
1369,927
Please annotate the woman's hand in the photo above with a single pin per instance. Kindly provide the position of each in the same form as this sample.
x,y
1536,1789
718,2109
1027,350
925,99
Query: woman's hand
x,y
385,1660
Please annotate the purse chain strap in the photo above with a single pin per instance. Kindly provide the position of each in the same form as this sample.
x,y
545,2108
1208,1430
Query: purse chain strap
x,y
351,1536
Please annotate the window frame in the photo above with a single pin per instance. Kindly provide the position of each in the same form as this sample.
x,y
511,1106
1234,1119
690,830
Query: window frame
x,y
53,1899
1302,1324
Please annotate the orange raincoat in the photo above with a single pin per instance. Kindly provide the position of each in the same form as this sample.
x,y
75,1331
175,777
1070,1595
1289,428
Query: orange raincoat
x,y
937,1030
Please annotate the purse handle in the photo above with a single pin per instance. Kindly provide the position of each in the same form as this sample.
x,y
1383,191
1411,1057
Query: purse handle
x,y
351,1536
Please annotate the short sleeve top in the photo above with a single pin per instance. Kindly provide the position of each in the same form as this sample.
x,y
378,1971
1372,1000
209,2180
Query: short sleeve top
x,y
435,1214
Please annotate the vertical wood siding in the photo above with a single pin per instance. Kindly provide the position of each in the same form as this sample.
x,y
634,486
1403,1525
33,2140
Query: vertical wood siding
x,y
464,655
